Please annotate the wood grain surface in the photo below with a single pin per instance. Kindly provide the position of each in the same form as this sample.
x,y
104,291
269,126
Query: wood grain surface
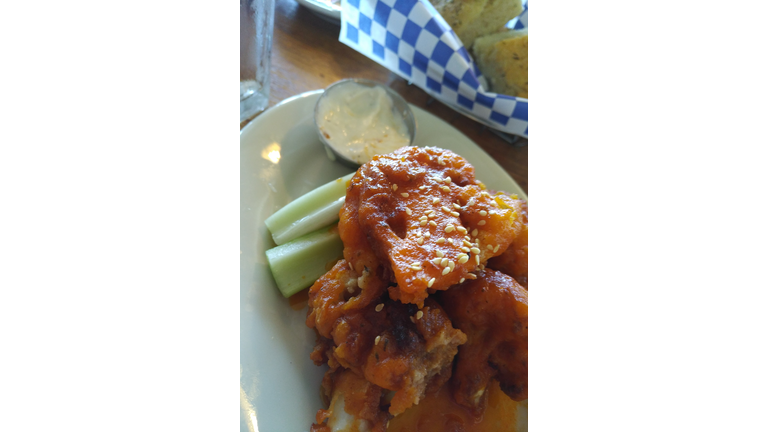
x,y
306,55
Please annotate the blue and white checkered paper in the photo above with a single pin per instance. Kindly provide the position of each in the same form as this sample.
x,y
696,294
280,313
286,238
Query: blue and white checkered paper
x,y
412,40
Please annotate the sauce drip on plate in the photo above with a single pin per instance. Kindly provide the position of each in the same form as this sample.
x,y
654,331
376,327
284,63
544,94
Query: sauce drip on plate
x,y
439,413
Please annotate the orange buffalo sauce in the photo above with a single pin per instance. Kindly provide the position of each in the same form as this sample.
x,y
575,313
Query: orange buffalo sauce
x,y
439,413
298,301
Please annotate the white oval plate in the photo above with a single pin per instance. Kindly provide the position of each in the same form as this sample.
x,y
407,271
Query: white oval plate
x,y
281,158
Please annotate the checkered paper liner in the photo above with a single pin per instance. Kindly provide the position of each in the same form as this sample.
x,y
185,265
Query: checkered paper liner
x,y
410,38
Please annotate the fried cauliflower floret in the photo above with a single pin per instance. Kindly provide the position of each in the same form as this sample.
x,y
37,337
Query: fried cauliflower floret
x,y
514,260
493,312
418,217
396,346
355,404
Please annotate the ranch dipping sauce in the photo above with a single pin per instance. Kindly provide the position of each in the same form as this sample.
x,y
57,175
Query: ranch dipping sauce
x,y
360,122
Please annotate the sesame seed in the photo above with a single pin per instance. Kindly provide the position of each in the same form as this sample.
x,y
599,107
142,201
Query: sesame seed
x,y
474,232
420,240
445,188
379,307
485,194
435,200
450,241
447,179
471,276
415,264
471,201
475,250
461,280
483,213
449,228
426,235
423,218
496,249
376,342
422,187
481,223
446,209
441,240
466,242
463,258
394,187
423,222
477,259
451,264
439,253
350,290
461,228
465,249
414,268
433,223
404,194
489,247
456,206
455,214
419,314
436,261
431,281
440,161
350,266
446,271
408,211
444,262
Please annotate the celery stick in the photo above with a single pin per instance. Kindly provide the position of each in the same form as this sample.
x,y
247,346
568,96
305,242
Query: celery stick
x,y
313,210
297,264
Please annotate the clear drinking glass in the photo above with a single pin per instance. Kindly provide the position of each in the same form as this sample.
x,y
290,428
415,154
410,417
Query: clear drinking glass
x,y
257,18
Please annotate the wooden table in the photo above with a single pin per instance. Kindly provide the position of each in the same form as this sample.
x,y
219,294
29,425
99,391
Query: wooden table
x,y
307,55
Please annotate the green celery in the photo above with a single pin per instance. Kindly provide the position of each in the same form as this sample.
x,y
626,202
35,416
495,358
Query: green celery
x,y
297,264
313,210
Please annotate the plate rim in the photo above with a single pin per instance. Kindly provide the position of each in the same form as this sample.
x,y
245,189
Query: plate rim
x,y
324,8
251,125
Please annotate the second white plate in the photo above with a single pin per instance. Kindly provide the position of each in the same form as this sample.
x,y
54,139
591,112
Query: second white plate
x,y
325,9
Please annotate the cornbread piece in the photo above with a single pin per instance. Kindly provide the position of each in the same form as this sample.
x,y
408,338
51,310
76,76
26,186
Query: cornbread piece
x,y
503,59
471,19
493,312
418,217
395,346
